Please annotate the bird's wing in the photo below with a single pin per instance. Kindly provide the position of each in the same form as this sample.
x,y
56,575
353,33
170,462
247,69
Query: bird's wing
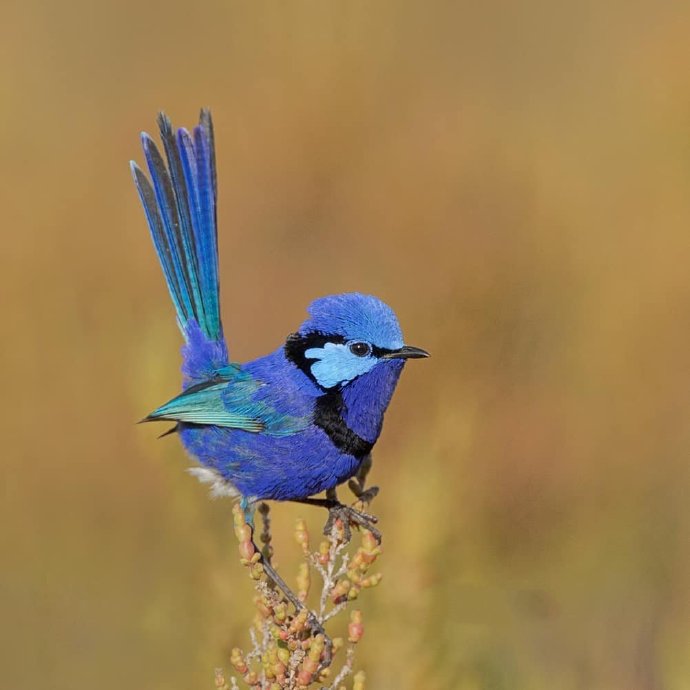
x,y
234,399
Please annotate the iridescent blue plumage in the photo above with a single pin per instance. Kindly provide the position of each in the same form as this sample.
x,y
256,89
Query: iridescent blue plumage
x,y
290,424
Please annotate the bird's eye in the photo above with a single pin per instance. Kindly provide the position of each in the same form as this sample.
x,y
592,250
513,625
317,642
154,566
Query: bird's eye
x,y
360,349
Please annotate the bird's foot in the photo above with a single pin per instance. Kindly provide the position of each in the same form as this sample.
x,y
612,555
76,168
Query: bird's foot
x,y
366,496
348,516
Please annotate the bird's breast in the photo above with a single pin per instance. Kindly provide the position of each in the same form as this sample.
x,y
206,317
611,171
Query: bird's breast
x,y
366,399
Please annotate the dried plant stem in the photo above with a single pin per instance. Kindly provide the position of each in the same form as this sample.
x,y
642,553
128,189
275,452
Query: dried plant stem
x,y
287,653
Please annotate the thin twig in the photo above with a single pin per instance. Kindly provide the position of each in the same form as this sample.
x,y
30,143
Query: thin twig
x,y
346,670
286,652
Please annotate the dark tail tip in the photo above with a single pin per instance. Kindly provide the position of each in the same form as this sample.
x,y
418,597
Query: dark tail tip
x,y
164,122
172,430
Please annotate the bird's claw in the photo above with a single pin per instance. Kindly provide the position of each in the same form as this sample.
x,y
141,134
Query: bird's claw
x,y
347,516
368,495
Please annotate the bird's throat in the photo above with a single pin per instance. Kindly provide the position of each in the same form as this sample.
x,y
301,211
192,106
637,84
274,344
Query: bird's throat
x,y
352,416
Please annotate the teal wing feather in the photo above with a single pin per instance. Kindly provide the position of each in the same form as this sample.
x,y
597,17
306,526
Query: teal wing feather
x,y
233,399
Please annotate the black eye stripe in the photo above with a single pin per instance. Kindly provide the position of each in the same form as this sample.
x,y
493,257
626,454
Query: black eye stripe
x,y
298,343
380,351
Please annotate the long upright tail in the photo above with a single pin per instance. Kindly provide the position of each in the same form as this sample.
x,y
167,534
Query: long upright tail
x,y
180,206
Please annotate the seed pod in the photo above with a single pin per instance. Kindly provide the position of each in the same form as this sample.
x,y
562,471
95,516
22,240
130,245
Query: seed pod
x,y
324,553
372,580
263,607
355,629
358,681
299,622
247,550
340,590
302,535
280,612
221,683
251,678
369,543
316,649
237,661
238,521
283,655
303,581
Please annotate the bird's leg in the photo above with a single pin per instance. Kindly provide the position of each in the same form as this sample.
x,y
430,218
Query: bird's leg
x,y
312,621
358,482
346,514
267,548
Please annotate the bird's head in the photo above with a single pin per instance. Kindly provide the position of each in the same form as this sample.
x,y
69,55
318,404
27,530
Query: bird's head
x,y
347,336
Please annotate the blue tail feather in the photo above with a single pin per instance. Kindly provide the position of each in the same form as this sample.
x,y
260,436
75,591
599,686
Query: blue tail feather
x,y
177,207
180,206
199,174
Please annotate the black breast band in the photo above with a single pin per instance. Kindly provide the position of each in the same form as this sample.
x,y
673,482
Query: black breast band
x,y
327,416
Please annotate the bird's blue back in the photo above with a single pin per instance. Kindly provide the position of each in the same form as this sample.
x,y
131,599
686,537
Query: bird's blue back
x,y
292,423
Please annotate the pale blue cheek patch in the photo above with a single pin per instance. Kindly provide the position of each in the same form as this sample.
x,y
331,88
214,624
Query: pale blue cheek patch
x,y
335,364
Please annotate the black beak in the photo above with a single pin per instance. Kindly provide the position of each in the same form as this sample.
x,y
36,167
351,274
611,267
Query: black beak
x,y
406,352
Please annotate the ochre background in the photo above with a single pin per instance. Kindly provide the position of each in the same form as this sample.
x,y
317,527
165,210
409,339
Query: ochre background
x,y
513,178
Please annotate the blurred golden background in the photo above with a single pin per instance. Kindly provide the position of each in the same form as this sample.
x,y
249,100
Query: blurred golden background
x,y
514,178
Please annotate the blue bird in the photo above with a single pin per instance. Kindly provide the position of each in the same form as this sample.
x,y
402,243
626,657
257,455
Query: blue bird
x,y
296,422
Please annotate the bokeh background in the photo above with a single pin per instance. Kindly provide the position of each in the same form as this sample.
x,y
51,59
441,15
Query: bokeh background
x,y
514,178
